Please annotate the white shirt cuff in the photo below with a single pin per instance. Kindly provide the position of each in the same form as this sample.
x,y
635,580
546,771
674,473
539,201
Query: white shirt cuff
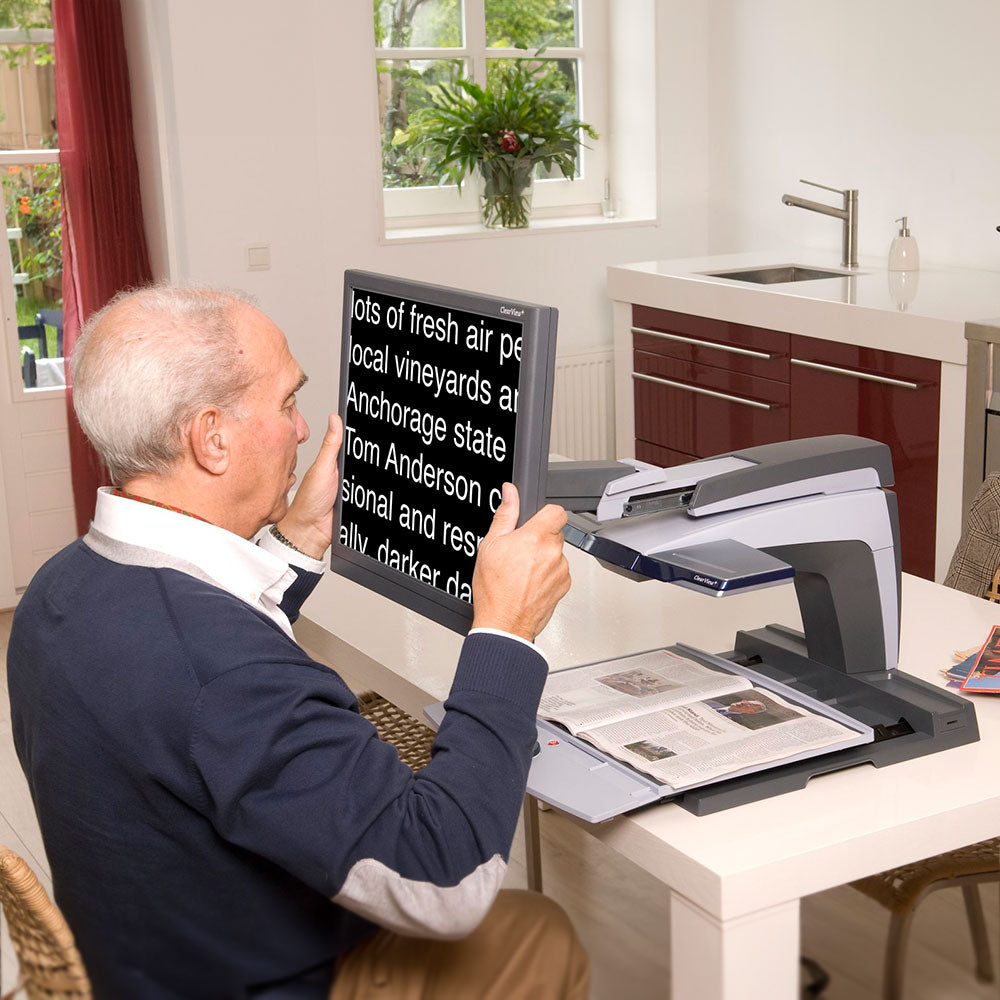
x,y
293,557
510,635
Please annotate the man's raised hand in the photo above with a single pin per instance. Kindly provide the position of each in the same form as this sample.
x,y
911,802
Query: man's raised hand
x,y
309,521
521,573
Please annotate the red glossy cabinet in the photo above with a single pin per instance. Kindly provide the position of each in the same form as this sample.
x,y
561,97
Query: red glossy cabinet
x,y
843,389
709,386
704,386
708,410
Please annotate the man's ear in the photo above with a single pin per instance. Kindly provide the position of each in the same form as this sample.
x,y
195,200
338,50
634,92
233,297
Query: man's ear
x,y
210,442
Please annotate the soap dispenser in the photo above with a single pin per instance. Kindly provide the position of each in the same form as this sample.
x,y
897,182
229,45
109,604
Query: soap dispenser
x,y
903,253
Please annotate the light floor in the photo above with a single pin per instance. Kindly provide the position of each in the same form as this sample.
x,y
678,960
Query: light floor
x,y
622,915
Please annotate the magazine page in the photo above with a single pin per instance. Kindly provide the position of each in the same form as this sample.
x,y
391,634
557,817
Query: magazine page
x,y
985,672
696,742
628,687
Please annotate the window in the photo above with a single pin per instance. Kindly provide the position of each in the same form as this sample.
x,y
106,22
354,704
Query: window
x,y
422,43
31,274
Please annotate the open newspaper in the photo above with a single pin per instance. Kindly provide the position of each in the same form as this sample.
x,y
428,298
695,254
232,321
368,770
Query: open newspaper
x,y
682,723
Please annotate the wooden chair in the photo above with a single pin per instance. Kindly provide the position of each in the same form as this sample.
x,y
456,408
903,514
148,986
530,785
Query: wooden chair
x,y
34,331
29,368
51,967
52,317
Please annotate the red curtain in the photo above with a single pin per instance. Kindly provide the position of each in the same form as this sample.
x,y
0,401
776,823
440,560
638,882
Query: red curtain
x,y
103,241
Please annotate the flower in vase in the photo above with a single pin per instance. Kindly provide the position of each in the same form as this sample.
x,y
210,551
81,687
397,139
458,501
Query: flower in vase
x,y
520,121
509,142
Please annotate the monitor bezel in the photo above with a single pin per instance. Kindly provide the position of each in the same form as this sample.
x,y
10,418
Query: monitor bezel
x,y
534,419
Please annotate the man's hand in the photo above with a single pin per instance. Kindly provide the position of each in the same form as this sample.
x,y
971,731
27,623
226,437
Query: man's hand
x,y
308,525
521,573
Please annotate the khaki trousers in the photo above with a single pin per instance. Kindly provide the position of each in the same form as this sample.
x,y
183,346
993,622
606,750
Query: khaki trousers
x,y
525,949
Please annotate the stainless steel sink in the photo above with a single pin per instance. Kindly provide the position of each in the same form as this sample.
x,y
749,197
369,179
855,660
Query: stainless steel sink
x,y
779,274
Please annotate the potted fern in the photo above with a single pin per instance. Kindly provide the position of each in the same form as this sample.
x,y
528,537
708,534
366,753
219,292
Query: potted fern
x,y
502,132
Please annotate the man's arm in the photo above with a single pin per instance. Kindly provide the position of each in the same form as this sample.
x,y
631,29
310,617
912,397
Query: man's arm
x,y
297,778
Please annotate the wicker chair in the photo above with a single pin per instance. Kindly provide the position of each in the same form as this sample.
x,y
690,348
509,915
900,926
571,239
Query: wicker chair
x,y
411,739
973,570
51,967
901,889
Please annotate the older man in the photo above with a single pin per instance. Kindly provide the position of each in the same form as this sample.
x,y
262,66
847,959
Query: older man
x,y
220,820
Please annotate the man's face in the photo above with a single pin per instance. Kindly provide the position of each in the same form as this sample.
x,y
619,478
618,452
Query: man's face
x,y
266,441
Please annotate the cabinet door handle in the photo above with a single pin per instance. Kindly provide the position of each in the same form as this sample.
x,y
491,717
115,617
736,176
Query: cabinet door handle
x,y
707,392
745,351
867,376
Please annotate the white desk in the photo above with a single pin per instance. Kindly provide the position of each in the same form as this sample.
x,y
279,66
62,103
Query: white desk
x,y
735,878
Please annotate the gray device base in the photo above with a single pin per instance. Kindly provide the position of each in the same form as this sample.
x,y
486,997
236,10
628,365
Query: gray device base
x,y
910,718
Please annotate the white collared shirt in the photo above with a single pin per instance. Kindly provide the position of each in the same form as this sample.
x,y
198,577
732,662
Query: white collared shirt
x,y
256,572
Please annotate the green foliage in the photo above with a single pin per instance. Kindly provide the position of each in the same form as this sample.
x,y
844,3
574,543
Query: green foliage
x,y
410,89
26,14
408,86
525,24
32,196
43,227
521,120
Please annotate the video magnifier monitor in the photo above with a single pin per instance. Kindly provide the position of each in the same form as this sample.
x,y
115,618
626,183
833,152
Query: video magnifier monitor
x,y
445,395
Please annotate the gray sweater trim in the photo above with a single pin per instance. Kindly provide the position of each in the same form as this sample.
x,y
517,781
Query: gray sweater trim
x,y
136,555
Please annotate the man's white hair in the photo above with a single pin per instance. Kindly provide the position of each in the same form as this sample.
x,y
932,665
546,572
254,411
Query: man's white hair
x,y
146,363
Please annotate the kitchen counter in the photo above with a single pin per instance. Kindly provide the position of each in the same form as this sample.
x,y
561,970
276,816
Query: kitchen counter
x,y
921,313
858,308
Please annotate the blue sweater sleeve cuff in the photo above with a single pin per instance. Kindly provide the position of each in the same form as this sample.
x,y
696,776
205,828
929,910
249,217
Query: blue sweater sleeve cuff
x,y
298,591
503,666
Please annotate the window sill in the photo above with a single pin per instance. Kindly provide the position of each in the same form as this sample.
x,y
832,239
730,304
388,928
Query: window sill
x,y
475,231
23,395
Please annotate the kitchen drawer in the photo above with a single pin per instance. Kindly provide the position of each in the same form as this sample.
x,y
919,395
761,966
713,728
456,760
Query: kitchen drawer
x,y
868,360
894,398
733,346
699,410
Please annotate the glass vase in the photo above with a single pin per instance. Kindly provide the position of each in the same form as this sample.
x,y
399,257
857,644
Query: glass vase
x,y
505,195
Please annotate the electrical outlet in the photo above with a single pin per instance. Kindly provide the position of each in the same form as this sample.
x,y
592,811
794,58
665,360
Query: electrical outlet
x,y
259,257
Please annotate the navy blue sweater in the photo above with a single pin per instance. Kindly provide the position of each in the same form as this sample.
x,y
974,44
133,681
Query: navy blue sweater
x,y
220,820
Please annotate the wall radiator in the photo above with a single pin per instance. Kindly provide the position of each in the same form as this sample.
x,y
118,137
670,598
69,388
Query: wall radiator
x,y
583,406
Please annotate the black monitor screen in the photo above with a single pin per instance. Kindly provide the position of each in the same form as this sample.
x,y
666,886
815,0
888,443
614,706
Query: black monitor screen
x,y
445,395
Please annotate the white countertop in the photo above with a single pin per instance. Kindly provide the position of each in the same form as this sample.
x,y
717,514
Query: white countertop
x,y
860,308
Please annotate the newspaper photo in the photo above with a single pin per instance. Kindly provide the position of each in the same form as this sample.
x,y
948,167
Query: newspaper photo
x,y
680,722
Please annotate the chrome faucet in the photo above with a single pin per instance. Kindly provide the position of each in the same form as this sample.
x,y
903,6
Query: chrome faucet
x,y
848,215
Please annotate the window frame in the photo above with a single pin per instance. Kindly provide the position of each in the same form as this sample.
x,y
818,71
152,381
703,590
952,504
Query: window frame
x,y
444,205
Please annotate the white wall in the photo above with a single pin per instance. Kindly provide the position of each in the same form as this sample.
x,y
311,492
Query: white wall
x,y
898,98
258,123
